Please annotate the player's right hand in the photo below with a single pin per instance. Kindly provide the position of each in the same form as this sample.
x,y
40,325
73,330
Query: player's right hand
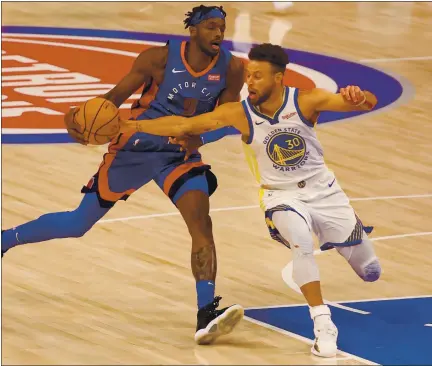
x,y
189,144
74,129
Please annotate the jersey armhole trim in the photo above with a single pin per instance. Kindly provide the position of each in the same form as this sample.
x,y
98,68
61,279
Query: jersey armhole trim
x,y
248,116
304,120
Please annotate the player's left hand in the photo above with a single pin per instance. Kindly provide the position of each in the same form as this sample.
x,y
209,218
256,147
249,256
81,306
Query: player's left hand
x,y
353,95
190,144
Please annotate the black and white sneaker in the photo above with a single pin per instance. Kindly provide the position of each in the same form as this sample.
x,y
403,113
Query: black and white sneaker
x,y
213,323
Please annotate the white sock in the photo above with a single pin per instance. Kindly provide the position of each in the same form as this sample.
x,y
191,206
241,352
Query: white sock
x,y
320,314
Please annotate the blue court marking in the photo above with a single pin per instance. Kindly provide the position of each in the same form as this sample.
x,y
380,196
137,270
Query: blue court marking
x,y
38,138
393,334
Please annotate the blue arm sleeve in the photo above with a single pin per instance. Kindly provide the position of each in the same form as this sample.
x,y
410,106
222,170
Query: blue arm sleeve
x,y
212,136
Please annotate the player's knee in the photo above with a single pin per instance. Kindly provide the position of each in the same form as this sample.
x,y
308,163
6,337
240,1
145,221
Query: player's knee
x,y
305,268
197,218
194,207
372,271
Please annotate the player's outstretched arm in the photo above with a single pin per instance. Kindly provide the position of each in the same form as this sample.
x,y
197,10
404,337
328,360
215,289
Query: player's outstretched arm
x,y
231,93
229,114
350,99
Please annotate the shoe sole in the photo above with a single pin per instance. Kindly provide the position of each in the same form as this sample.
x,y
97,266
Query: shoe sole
x,y
223,324
320,354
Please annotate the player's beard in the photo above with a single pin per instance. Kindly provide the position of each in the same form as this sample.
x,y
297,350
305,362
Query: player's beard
x,y
264,96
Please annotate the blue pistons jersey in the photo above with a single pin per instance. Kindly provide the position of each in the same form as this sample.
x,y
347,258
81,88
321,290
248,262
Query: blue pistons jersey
x,y
135,158
183,91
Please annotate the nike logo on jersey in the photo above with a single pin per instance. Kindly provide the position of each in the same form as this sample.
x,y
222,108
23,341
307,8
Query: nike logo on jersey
x,y
330,184
259,123
177,71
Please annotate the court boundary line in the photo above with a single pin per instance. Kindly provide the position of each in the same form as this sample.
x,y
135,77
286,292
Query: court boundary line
x,y
248,207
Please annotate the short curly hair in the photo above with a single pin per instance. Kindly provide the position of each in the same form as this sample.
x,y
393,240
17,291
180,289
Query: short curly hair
x,y
200,9
270,53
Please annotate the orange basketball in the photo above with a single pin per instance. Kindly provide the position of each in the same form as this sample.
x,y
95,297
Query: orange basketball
x,y
99,119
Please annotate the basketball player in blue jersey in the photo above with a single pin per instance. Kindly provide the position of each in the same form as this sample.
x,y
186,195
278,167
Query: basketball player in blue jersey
x,y
181,78
299,194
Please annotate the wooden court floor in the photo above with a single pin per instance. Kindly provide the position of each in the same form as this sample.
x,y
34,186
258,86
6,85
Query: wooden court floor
x,y
124,293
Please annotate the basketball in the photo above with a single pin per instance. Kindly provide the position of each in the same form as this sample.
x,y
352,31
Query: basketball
x,y
99,120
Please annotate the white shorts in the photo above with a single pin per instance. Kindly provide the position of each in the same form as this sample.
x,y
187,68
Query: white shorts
x,y
323,205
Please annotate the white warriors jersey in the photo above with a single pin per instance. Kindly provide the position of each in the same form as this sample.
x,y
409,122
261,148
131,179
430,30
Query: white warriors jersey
x,y
284,149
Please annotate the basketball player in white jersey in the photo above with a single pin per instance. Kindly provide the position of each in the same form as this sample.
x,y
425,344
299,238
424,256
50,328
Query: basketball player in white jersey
x,y
299,194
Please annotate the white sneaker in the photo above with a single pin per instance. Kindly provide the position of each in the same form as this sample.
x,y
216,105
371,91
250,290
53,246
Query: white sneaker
x,y
326,333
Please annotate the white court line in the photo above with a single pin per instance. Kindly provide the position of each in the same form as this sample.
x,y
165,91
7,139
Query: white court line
x,y
402,236
396,59
307,341
176,213
347,308
236,208
389,298
72,45
427,195
79,38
